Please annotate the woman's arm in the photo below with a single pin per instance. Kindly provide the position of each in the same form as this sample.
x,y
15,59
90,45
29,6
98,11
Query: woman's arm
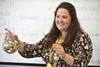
x,y
82,50
68,58
31,50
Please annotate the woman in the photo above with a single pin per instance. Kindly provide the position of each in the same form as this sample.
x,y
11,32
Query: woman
x,y
66,43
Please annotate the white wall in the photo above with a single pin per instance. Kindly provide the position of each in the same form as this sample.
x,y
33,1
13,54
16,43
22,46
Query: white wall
x,y
32,19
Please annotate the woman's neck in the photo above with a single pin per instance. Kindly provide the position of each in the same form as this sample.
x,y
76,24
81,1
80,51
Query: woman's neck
x,y
63,35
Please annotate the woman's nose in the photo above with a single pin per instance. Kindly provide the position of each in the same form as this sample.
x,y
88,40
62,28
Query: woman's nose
x,y
59,19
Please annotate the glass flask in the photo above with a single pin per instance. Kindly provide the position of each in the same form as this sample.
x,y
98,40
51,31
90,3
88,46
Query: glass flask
x,y
10,46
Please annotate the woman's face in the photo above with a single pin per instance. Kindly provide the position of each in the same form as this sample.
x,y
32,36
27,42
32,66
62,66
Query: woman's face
x,y
62,19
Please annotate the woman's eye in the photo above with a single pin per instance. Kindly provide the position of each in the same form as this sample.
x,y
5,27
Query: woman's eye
x,y
65,17
57,16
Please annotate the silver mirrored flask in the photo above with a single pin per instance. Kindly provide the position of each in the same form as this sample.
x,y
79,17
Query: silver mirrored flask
x,y
60,62
56,58
10,46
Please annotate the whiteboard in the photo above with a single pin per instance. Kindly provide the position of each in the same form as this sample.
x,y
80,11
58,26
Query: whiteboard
x,y
32,19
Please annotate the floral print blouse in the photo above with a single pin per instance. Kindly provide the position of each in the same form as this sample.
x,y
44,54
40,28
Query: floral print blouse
x,y
81,50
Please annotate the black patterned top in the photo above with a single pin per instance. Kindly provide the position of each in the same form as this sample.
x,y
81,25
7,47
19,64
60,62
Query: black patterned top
x,y
81,50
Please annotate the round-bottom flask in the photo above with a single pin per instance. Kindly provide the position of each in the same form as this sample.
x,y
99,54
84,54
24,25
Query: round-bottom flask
x,y
10,46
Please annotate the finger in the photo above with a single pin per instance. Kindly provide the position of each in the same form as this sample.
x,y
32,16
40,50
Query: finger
x,y
10,35
57,49
54,45
8,30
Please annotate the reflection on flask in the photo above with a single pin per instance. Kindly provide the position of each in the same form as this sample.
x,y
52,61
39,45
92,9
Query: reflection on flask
x,y
10,46
61,63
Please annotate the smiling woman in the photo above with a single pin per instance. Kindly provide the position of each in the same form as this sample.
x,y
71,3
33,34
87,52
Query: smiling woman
x,y
73,49
63,19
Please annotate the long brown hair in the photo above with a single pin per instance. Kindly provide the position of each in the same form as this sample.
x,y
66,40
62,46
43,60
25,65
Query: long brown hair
x,y
72,30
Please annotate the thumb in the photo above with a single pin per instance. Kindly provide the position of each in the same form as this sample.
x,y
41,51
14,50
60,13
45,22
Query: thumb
x,y
12,34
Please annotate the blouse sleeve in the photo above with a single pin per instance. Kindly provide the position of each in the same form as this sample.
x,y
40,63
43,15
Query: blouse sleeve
x,y
33,50
82,51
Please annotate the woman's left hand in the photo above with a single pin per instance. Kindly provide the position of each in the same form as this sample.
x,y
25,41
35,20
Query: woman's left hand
x,y
58,49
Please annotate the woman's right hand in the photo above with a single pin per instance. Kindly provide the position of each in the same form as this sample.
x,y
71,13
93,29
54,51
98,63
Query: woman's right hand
x,y
10,35
11,43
